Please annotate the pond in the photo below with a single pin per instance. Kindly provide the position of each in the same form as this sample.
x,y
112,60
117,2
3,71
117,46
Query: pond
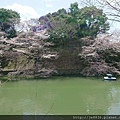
x,y
60,96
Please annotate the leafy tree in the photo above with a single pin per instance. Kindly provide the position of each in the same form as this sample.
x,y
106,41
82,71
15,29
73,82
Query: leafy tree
x,y
103,56
8,19
76,23
90,21
27,25
111,7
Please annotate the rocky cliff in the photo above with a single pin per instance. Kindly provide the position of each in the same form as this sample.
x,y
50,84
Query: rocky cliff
x,y
30,55
27,55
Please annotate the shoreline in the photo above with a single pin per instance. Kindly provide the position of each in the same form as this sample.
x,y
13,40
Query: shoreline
x,y
19,78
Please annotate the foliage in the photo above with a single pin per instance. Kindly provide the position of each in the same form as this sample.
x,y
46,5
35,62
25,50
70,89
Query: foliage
x,y
75,23
101,57
8,19
27,25
111,7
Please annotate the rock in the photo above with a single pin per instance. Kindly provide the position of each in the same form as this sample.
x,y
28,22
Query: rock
x,y
27,55
49,56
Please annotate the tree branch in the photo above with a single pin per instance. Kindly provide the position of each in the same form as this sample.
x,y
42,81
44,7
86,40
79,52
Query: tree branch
x,y
115,8
113,14
114,20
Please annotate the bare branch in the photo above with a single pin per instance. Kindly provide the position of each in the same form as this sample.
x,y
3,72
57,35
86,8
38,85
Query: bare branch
x,y
115,8
113,14
114,20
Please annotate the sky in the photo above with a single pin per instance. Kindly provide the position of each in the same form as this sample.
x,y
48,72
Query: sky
x,y
36,8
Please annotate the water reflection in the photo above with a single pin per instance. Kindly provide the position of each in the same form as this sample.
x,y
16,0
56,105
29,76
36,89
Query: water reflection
x,y
62,96
114,96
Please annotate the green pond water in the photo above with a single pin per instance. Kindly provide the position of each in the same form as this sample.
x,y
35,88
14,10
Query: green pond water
x,y
60,96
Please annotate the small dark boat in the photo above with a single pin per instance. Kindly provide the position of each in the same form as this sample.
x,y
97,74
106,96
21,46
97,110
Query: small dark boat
x,y
109,77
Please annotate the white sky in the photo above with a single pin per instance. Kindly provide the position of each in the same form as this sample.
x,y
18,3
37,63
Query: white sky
x,y
35,8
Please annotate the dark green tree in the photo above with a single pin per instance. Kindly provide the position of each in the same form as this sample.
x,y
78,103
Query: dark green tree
x,y
76,23
8,19
89,21
92,21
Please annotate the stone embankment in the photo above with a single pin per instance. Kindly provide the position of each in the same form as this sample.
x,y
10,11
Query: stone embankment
x,y
30,55
26,55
